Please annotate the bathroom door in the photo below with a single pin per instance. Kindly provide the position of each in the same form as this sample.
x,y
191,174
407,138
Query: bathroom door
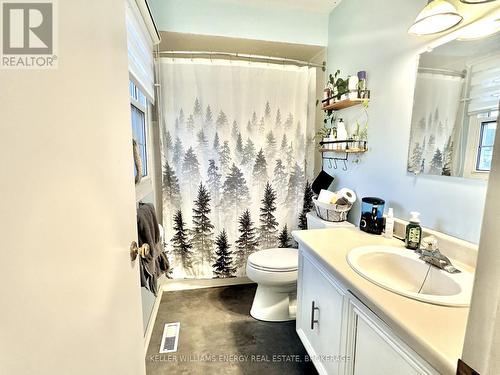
x,y
70,295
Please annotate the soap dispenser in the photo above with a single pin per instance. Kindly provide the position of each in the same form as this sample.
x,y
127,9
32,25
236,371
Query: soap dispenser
x,y
413,232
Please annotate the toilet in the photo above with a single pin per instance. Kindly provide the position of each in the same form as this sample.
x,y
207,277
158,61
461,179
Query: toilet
x,y
275,272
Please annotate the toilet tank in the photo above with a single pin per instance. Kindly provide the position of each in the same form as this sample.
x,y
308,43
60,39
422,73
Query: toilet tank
x,y
314,222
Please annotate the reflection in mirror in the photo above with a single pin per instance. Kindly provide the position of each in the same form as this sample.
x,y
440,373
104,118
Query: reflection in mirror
x,y
455,109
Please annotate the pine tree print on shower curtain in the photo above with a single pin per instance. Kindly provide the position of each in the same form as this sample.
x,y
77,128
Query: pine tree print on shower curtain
x,y
237,148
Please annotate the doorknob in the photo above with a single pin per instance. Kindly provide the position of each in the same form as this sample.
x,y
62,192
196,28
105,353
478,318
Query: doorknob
x,y
135,250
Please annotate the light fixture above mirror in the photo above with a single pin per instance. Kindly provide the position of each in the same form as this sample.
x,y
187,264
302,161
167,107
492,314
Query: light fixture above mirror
x,y
436,17
476,1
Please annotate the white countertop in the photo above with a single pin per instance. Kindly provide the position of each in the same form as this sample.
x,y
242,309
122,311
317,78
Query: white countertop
x,y
435,332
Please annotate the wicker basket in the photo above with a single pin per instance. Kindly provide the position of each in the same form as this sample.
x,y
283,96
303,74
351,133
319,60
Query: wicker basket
x,y
331,212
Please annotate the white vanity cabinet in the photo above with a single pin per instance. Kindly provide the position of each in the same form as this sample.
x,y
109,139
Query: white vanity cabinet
x,y
320,305
341,335
376,350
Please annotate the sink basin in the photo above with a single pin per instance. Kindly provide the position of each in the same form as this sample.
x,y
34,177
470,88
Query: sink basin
x,y
402,272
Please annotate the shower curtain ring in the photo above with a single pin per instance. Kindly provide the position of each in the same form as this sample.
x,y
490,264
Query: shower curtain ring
x,y
330,163
335,162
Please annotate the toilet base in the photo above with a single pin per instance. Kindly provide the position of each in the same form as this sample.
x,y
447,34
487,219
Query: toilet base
x,y
274,303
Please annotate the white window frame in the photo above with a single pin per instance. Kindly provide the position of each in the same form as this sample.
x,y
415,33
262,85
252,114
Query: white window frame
x,y
145,186
473,139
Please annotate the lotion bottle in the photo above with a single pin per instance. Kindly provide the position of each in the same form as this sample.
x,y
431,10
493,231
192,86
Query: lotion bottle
x,y
389,224
341,134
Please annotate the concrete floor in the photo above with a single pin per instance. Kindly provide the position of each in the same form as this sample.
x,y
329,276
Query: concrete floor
x,y
218,336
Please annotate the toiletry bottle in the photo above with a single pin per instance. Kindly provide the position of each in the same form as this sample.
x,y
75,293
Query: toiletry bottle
x,y
331,137
341,134
413,232
352,85
389,224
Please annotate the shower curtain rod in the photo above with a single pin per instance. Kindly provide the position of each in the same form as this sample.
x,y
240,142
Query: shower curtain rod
x,y
242,56
445,72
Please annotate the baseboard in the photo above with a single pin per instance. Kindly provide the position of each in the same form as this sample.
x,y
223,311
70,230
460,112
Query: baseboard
x,y
152,320
169,285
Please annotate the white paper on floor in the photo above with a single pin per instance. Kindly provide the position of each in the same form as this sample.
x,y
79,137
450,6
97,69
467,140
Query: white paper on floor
x,y
170,337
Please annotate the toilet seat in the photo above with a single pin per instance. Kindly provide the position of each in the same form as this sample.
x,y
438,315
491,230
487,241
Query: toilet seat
x,y
274,260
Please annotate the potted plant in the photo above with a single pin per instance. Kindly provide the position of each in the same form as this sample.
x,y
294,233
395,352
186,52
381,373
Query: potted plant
x,y
340,85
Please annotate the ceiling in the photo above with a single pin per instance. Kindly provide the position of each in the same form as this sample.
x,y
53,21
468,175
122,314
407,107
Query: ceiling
x,y
457,54
319,6
470,48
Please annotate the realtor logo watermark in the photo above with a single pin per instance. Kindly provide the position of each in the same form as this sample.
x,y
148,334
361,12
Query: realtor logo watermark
x,y
28,34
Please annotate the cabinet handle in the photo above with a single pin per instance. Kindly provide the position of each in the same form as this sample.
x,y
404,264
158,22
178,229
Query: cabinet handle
x,y
313,309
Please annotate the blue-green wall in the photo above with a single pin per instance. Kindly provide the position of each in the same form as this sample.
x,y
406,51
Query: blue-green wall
x,y
222,18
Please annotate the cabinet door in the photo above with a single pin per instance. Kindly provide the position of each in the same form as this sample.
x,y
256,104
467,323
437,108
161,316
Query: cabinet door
x,y
378,352
319,317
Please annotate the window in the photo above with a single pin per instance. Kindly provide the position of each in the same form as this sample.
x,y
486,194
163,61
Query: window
x,y
485,149
138,109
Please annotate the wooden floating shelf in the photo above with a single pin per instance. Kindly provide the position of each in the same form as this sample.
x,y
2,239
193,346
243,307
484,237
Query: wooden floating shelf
x,y
346,103
348,151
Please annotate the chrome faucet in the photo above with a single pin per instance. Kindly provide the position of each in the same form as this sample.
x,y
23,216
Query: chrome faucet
x,y
430,253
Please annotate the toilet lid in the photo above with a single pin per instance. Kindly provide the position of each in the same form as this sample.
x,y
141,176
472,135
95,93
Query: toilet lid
x,y
278,260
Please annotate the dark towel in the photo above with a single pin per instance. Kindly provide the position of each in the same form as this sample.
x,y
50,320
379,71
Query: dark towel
x,y
155,263
322,181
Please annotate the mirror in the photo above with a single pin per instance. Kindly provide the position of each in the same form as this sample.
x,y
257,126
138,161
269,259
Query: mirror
x,y
455,109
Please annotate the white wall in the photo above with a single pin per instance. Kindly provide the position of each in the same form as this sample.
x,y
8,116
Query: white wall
x,y
70,298
243,20
372,36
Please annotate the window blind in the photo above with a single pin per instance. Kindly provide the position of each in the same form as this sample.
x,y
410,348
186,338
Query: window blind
x,y
140,50
484,92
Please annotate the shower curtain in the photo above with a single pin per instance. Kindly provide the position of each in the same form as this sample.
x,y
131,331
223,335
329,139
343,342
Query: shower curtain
x,y
434,127
237,150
